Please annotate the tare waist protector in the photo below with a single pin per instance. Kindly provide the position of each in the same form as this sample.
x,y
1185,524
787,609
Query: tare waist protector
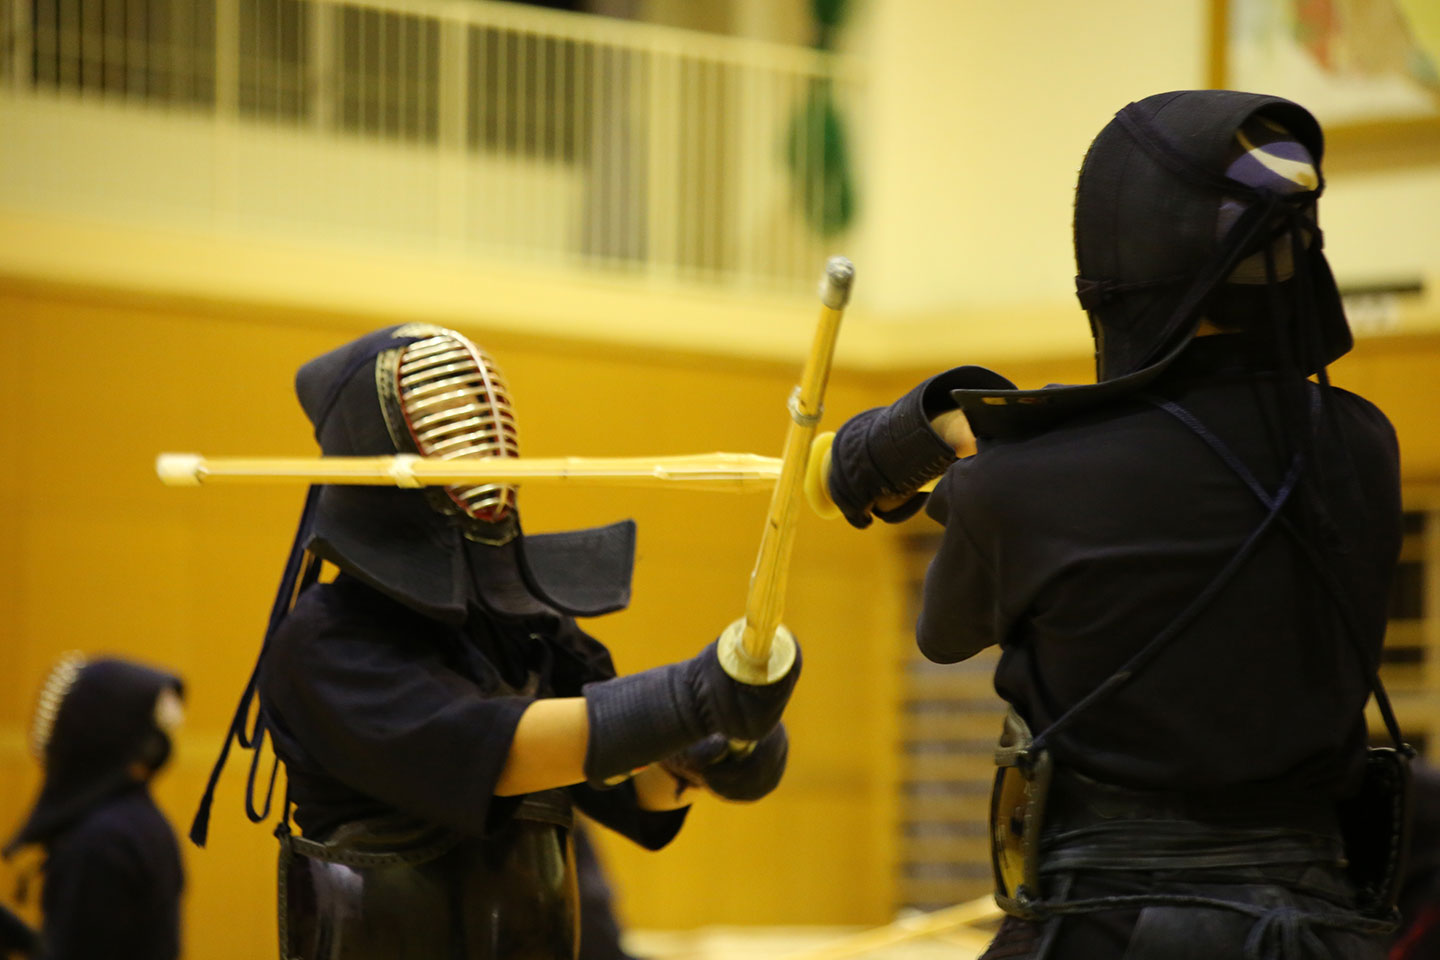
x,y
400,890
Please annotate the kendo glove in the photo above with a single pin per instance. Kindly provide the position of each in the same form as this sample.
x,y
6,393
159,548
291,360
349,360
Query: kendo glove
x,y
889,452
735,776
647,716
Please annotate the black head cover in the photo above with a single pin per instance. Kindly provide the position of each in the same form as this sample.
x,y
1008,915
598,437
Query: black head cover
x,y
414,545
104,722
433,561
1164,215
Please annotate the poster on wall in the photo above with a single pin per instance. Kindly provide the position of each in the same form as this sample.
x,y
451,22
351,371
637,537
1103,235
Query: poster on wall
x,y
1348,61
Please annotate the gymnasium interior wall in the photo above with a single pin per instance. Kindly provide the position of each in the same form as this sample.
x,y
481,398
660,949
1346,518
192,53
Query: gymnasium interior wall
x,y
124,340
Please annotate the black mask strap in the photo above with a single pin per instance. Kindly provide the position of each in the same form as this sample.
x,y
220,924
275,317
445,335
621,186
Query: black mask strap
x,y
248,736
1094,294
1336,589
1182,621
301,571
1237,244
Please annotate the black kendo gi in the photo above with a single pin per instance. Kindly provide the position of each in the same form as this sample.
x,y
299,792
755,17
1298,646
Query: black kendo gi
x,y
390,743
113,876
1188,592
393,693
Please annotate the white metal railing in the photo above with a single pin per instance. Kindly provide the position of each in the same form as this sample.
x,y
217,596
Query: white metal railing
x,y
462,126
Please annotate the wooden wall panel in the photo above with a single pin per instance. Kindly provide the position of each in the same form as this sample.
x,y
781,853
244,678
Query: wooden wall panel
x,y
99,556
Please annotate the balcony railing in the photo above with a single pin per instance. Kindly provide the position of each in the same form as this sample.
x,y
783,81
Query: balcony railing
x,y
457,126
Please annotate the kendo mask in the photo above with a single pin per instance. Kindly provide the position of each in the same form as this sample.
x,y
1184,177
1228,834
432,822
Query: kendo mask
x,y
94,721
1191,204
422,389
444,397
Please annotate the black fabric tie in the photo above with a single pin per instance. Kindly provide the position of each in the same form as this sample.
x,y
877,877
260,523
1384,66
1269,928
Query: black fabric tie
x,y
1284,933
301,571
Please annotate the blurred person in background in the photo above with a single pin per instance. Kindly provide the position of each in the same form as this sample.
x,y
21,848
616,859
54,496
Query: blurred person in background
x,y
1185,565
438,709
112,871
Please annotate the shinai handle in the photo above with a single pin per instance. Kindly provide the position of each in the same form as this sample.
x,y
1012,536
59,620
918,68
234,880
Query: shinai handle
x,y
756,649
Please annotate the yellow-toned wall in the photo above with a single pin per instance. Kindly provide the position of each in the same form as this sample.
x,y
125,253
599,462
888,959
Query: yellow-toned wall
x,y
99,556
975,121
975,118
966,137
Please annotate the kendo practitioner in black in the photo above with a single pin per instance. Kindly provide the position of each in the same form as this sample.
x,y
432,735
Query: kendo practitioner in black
x,y
112,872
1185,565
439,712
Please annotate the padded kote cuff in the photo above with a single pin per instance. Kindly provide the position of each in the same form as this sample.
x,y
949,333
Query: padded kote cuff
x,y
887,451
637,720
905,511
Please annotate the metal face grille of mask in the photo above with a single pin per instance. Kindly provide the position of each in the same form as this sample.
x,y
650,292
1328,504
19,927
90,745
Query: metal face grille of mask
x,y
455,404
